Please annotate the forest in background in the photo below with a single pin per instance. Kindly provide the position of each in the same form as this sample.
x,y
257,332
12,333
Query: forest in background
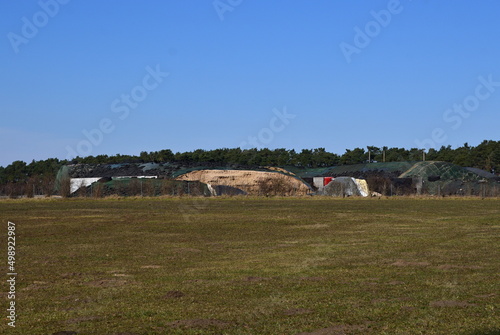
x,y
38,177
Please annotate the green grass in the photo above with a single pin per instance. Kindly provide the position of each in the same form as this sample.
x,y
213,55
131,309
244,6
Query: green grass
x,y
255,266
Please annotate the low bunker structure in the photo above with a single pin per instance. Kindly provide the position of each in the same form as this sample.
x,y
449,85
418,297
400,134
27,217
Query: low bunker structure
x,y
345,187
251,182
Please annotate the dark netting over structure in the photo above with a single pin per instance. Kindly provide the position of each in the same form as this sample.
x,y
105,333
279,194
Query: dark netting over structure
x,y
143,187
407,178
392,178
169,179
443,170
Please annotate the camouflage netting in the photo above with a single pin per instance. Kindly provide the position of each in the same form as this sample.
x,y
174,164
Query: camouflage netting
x,y
482,173
121,170
483,188
162,170
445,171
360,171
406,178
394,168
441,178
143,187
392,178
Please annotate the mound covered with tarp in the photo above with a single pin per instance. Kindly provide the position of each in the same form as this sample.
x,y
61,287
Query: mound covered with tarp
x,y
361,171
409,178
142,187
443,170
159,170
441,178
346,187
391,178
125,170
222,180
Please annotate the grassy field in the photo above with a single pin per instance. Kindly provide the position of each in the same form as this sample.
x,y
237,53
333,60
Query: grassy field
x,y
255,266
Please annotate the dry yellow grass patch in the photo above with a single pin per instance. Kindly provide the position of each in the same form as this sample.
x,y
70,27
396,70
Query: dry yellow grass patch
x,y
248,181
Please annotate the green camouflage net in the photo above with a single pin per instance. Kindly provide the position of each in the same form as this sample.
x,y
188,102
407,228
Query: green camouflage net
x,y
446,171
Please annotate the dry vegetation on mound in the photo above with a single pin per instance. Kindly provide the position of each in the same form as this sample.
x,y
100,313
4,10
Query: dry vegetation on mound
x,y
252,182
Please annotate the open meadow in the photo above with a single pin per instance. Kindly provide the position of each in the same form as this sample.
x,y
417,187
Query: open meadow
x,y
248,265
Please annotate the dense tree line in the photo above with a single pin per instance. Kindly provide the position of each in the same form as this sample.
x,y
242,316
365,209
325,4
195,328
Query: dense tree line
x,y
39,175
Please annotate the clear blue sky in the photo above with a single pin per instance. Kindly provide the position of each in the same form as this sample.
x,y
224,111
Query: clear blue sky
x,y
66,68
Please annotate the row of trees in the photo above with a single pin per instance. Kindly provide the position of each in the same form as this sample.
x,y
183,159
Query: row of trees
x,y
484,156
39,175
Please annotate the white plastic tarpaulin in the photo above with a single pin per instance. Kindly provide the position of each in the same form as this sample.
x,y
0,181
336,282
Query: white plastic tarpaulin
x,y
76,183
346,186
